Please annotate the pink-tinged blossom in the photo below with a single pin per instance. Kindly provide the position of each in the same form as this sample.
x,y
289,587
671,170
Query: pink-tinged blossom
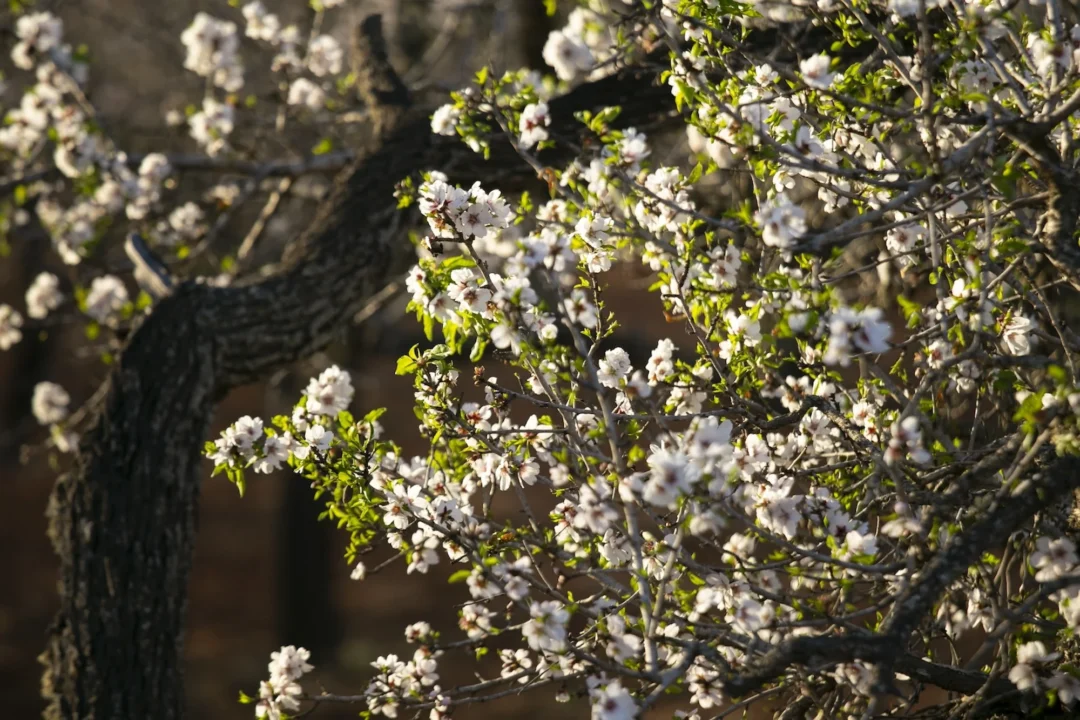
x,y
613,702
535,118
329,393
1053,558
671,476
782,222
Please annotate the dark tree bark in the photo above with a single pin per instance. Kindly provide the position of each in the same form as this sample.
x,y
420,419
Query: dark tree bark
x,y
537,25
123,521
29,359
307,613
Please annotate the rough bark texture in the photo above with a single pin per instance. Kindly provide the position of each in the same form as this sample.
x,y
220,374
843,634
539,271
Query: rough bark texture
x,y
123,521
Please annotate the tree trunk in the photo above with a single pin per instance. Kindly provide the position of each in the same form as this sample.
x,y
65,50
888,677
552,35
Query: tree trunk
x,y
123,521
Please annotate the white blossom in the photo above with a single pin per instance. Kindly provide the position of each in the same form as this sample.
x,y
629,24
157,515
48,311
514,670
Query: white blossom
x,y
445,119
1017,335
106,298
305,93
38,34
212,51
50,403
782,223
325,56
43,295
534,119
329,393
261,25
815,71
212,126
613,702
567,56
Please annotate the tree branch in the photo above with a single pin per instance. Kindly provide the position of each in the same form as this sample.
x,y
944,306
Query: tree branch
x,y
889,646
810,652
1007,514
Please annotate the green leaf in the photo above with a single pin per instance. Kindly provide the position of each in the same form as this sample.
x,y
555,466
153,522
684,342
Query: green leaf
x,y
374,415
599,123
478,350
695,174
1057,373
459,577
457,261
911,309
406,364
1030,408
325,145
550,6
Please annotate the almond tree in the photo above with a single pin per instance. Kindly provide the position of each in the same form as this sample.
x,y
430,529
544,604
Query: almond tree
x,y
800,500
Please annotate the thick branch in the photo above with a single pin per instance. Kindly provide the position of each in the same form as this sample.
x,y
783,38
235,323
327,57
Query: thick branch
x,y
1005,516
1059,223
810,652
889,645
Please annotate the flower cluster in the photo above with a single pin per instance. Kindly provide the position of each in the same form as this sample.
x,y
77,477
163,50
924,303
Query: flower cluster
x,y
212,51
454,213
282,691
